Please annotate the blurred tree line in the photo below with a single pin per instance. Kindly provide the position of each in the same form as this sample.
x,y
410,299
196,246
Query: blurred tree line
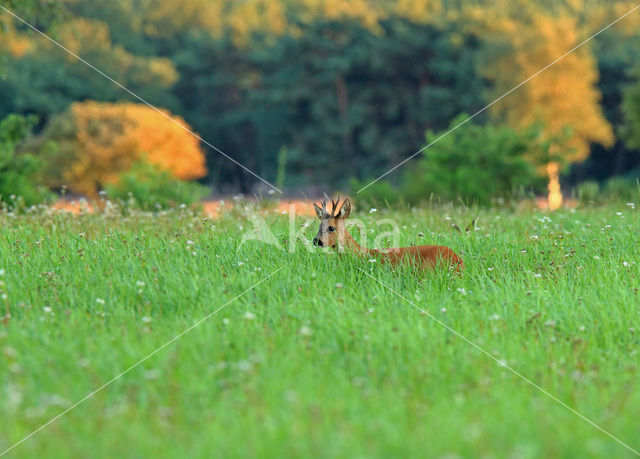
x,y
336,92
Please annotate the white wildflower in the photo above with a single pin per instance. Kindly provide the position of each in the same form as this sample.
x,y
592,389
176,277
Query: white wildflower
x,y
373,210
99,301
152,374
249,315
305,331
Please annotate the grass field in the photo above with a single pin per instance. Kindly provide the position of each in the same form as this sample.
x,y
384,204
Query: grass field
x,y
319,359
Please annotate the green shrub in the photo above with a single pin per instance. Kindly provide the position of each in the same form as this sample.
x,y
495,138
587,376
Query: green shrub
x,y
622,189
150,188
615,189
473,163
19,172
377,193
588,191
631,105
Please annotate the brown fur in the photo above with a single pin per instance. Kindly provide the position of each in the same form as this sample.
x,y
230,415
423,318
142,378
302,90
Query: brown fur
x,y
333,233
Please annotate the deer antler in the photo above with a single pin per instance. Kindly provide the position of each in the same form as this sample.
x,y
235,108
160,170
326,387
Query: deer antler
x,y
324,206
334,204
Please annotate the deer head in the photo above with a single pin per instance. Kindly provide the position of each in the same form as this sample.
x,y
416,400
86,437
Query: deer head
x,y
332,224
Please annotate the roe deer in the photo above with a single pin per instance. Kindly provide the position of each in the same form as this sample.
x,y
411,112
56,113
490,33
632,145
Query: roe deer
x,y
333,232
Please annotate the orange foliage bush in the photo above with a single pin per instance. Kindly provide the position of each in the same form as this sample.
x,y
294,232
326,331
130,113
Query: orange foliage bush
x,y
109,138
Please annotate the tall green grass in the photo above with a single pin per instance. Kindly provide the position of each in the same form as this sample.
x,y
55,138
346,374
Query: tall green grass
x,y
320,359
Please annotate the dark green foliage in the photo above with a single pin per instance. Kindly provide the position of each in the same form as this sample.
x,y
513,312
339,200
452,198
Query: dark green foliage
x,y
350,102
55,147
215,90
45,83
474,163
587,191
46,80
41,12
150,188
342,100
615,190
616,54
632,112
625,189
19,183
376,193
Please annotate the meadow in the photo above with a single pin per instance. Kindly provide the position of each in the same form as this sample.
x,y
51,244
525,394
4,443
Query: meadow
x,y
319,359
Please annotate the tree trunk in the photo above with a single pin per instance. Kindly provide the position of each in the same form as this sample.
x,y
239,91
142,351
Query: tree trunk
x,y
555,194
343,106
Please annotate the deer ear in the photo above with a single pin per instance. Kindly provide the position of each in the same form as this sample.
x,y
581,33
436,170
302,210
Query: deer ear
x,y
319,211
345,209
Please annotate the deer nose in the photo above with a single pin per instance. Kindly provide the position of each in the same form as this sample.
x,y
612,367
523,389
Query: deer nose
x,y
317,241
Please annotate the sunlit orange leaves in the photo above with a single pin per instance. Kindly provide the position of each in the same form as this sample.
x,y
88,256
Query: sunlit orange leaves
x,y
560,94
564,95
109,138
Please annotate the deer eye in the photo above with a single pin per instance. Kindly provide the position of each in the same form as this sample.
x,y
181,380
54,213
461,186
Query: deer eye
x,y
331,228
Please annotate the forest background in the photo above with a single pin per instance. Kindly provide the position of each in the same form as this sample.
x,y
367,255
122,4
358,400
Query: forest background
x,y
321,94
